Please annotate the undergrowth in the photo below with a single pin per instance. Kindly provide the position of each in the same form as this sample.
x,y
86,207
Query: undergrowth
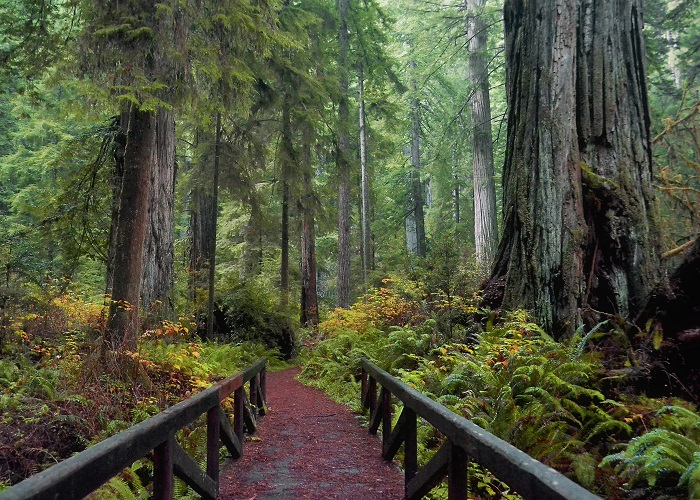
x,y
58,395
551,399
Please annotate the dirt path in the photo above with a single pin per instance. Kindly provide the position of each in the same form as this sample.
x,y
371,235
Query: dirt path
x,y
309,448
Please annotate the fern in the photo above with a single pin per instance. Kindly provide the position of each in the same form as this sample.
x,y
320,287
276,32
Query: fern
x,y
659,454
125,486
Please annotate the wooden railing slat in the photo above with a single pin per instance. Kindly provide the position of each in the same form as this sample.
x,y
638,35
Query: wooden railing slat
x,y
377,418
430,475
397,437
188,470
228,436
248,416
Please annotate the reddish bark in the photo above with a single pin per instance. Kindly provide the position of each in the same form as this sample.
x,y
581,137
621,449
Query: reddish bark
x,y
131,229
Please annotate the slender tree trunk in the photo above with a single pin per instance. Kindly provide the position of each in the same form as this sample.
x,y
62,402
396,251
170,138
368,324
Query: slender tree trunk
x,y
416,185
343,162
253,253
286,166
485,226
201,205
214,221
131,230
366,230
200,229
157,284
309,293
578,205
456,190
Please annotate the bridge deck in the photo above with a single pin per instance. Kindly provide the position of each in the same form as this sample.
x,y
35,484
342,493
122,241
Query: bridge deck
x,y
308,447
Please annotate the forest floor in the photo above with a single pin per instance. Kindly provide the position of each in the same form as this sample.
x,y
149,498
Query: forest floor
x,y
308,447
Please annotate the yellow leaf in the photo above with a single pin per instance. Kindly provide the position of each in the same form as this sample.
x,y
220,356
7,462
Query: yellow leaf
x,y
658,337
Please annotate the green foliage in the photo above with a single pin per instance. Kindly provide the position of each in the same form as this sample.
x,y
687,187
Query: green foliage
x,y
252,312
664,454
125,486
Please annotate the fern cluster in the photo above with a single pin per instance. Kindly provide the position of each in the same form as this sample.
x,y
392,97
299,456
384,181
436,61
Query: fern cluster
x,y
668,454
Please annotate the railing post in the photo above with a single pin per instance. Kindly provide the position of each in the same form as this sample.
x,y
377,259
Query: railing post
x,y
163,477
254,395
263,385
385,406
457,477
213,443
372,395
238,396
363,393
410,451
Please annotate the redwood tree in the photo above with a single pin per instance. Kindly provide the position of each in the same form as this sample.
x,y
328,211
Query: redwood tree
x,y
485,226
134,50
343,160
578,208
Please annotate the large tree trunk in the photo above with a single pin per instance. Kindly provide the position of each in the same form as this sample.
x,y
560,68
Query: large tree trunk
x,y
157,284
343,162
485,226
577,178
307,207
366,231
131,230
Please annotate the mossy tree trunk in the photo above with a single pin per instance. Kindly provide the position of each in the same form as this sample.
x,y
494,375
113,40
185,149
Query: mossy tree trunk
x,y
415,226
365,184
343,160
578,208
485,225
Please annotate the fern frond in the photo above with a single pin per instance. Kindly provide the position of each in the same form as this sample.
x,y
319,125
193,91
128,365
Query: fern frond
x,y
691,477
609,427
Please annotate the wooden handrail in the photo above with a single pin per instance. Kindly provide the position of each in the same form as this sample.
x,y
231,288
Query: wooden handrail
x,y
465,440
83,473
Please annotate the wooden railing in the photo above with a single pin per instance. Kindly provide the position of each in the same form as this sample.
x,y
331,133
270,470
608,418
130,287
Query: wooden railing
x,y
464,440
85,472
